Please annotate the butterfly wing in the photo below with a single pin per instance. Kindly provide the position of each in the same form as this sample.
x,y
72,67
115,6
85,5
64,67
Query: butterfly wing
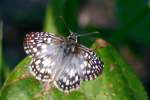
x,y
82,65
41,68
68,78
36,43
45,50
91,66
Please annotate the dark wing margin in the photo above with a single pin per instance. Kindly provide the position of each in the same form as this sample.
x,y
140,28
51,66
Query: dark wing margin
x,y
92,66
67,83
34,42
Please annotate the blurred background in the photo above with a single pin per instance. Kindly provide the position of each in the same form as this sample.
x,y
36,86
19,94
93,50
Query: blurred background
x,y
123,23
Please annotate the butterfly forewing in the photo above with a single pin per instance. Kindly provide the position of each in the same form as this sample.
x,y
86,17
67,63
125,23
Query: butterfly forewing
x,y
36,43
44,49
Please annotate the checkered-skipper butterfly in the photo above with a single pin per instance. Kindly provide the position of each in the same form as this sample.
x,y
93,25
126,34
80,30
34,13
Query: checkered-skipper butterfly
x,y
60,60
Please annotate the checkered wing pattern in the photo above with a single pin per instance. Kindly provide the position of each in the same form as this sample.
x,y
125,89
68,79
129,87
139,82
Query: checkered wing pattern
x,y
91,66
40,69
44,49
36,43
78,67
51,63
68,78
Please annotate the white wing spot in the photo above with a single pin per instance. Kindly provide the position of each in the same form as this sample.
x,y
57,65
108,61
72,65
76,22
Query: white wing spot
x,y
46,63
82,66
48,40
64,79
42,70
88,71
35,49
67,82
31,40
86,55
89,65
85,63
72,73
39,44
44,46
76,78
44,51
38,68
38,53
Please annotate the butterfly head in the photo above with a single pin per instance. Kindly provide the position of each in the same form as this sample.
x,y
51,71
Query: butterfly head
x,y
72,37
71,43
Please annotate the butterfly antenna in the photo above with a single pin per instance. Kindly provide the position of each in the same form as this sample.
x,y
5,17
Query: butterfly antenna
x,y
86,34
66,26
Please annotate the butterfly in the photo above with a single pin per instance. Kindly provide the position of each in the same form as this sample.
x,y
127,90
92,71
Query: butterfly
x,y
62,61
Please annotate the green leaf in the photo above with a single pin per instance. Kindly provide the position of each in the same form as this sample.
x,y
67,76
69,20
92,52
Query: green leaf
x,y
117,82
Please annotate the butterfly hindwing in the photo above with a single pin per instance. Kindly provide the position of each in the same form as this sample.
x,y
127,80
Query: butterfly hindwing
x,y
68,83
92,66
68,78
41,68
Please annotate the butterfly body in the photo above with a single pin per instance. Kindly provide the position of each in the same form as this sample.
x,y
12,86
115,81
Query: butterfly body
x,y
60,60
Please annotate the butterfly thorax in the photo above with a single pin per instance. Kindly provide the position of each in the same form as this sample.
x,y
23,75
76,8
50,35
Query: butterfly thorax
x,y
71,43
